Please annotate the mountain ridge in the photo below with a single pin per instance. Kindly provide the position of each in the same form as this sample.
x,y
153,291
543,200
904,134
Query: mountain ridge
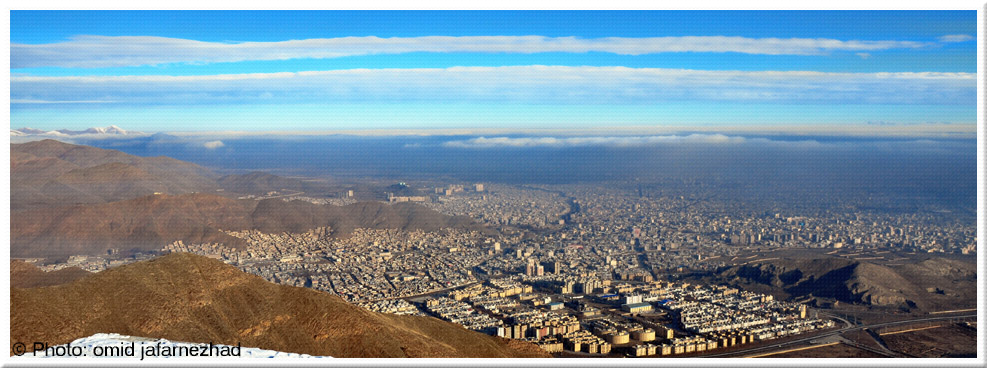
x,y
932,284
26,275
50,173
185,297
151,222
109,130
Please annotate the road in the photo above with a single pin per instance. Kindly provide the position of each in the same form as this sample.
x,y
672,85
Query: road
x,y
430,292
848,328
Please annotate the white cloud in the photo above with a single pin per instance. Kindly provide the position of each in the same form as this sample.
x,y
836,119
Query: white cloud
x,y
863,55
692,140
603,141
956,38
30,101
115,51
515,84
213,144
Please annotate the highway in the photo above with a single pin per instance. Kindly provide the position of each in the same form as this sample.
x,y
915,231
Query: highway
x,y
848,328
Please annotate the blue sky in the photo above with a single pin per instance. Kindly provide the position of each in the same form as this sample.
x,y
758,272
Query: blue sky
x,y
322,71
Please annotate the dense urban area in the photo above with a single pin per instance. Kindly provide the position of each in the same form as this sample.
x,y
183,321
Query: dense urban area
x,y
581,270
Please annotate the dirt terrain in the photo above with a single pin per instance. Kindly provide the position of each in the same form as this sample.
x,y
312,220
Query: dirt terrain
x,y
185,297
948,341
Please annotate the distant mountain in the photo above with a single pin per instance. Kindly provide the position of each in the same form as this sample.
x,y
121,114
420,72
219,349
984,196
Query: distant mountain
x,y
110,130
149,223
71,199
298,216
146,223
26,275
929,285
184,297
50,173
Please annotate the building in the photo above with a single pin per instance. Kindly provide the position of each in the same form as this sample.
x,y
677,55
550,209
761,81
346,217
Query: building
x,y
397,199
618,338
643,335
637,308
633,299
550,345
666,332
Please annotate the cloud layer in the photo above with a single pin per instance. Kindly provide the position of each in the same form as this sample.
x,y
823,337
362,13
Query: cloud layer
x,y
616,141
633,141
118,51
696,140
523,84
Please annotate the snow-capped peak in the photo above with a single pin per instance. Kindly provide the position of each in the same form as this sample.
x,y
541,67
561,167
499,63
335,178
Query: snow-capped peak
x,y
96,131
115,130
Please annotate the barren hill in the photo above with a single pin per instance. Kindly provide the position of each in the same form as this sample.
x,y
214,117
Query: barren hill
x,y
930,285
184,297
298,216
145,223
149,223
51,173
26,275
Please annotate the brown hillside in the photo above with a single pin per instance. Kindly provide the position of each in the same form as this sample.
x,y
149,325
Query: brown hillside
x,y
297,216
26,275
50,173
146,223
933,284
114,171
149,223
184,297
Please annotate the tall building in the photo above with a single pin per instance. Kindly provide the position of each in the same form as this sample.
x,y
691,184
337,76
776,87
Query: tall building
x,y
556,267
478,187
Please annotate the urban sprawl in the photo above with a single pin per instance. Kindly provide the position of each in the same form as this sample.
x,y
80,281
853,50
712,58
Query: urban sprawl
x,y
576,269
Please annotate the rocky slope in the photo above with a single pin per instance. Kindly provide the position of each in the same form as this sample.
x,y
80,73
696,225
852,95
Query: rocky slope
x,y
151,222
932,284
26,275
184,297
50,173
